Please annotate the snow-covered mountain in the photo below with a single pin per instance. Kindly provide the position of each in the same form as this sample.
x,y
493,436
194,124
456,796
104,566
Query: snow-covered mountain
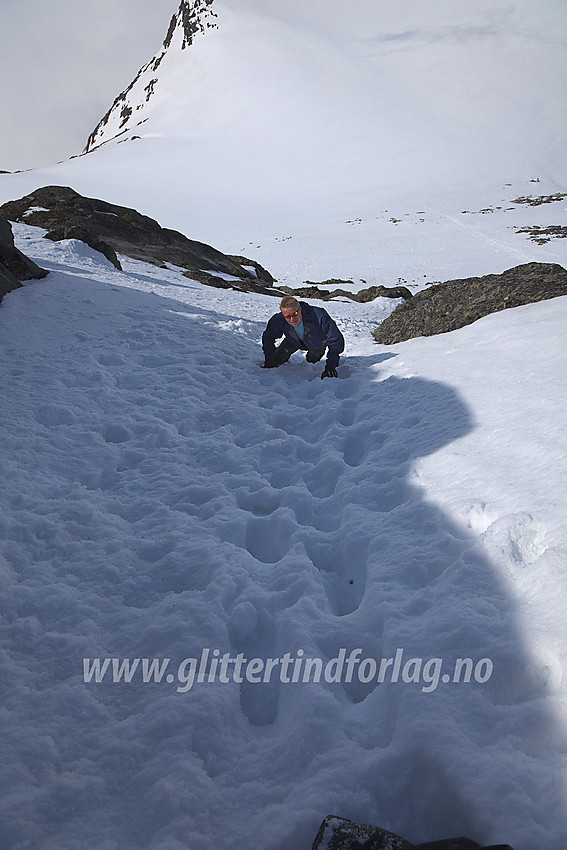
x,y
192,17
357,92
162,497
342,141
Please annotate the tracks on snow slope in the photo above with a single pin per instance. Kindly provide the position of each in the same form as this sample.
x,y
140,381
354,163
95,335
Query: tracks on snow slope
x,y
168,495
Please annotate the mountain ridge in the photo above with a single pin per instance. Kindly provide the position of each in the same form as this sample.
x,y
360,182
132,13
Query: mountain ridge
x,y
192,17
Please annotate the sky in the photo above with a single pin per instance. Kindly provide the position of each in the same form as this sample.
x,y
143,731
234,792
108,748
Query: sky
x,y
61,81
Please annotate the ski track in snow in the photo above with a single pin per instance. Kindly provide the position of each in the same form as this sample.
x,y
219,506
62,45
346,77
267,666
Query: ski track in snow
x,y
164,494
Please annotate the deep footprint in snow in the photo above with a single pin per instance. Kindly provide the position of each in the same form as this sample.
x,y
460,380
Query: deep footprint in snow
x,y
268,538
343,569
322,479
114,432
260,503
358,442
259,692
347,411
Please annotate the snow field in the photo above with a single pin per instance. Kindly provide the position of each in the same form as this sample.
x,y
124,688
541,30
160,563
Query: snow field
x,y
163,494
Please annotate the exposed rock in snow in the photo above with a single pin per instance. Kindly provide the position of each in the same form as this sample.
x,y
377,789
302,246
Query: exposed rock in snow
x,y
14,266
112,229
312,290
456,303
342,834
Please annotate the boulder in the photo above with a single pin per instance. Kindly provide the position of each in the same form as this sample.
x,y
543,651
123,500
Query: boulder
x,y
341,834
8,281
112,229
337,833
446,306
14,266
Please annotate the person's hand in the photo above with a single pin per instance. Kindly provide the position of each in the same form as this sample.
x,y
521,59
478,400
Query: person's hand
x,y
330,372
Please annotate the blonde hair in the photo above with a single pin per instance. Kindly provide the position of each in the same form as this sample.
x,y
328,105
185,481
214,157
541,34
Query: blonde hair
x,y
288,301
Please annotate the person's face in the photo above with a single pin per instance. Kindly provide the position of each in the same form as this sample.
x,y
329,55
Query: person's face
x,y
292,315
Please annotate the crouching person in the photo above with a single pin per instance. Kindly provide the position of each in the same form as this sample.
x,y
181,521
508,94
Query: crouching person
x,y
304,328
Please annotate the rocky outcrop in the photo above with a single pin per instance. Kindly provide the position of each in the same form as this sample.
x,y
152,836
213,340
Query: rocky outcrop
x,y
193,17
446,306
112,230
260,272
540,234
312,290
14,266
342,834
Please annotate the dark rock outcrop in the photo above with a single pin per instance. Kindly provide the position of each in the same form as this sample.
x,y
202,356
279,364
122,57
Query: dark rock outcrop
x,y
8,282
14,266
312,290
542,234
538,200
112,229
261,273
342,834
456,303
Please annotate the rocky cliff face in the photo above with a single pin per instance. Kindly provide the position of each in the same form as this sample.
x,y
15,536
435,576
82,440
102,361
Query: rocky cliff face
x,y
192,17
14,266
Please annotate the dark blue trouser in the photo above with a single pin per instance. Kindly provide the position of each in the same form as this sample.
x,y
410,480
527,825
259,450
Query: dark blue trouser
x,y
286,348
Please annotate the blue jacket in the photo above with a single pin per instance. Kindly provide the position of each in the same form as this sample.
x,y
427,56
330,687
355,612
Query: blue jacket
x,y
320,332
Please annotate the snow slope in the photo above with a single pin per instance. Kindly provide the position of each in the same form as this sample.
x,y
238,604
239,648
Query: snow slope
x,y
163,496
